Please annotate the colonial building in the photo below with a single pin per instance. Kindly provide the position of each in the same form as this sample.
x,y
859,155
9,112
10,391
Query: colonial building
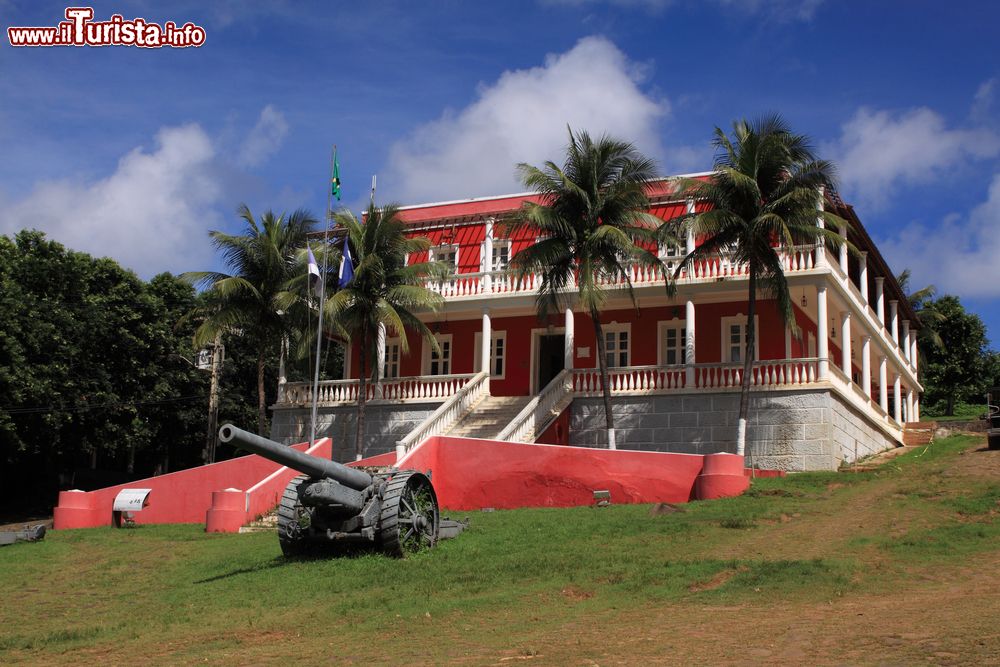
x,y
841,387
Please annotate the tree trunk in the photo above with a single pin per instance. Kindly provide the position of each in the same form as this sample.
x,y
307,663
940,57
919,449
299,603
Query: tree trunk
x,y
211,435
949,410
359,440
261,403
741,433
605,386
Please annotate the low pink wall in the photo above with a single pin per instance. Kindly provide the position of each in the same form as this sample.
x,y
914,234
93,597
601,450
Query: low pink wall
x,y
178,497
471,474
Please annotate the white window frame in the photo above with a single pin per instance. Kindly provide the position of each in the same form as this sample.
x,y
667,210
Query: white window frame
x,y
477,361
389,344
427,353
661,336
497,244
616,328
436,250
741,320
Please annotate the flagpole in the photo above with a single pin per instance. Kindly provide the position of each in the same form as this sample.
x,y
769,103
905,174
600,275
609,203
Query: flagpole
x,y
322,295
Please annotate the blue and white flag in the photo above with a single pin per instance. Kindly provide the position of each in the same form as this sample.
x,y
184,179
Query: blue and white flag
x,y
315,279
346,265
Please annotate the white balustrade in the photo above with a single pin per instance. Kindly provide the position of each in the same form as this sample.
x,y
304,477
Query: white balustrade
x,y
333,392
448,412
536,416
629,379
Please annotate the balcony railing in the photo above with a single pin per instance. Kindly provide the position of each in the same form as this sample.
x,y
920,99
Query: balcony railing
x,y
799,258
397,390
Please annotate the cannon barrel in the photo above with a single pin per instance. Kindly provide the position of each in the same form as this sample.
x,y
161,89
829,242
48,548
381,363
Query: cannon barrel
x,y
293,458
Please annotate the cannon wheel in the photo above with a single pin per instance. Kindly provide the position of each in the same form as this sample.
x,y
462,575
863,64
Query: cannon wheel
x,y
293,520
410,519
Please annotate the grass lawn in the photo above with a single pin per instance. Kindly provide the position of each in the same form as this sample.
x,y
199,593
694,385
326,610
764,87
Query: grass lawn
x,y
896,565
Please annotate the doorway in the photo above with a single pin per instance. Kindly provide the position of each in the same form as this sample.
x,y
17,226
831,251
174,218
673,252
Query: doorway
x,y
551,359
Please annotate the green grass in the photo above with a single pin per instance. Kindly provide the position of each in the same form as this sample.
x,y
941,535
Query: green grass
x,y
176,594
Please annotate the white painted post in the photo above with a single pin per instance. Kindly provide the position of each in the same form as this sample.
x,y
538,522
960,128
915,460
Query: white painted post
x,y
488,258
824,346
906,341
843,251
689,246
866,366
909,404
913,351
863,278
883,384
569,338
894,321
821,244
880,299
845,343
486,349
897,396
916,407
689,326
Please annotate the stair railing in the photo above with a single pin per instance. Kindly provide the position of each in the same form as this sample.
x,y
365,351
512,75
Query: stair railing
x,y
540,411
447,413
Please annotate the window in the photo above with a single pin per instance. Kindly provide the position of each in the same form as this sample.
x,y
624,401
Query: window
x,y
438,363
498,355
734,339
501,254
390,371
447,254
673,343
616,345
671,250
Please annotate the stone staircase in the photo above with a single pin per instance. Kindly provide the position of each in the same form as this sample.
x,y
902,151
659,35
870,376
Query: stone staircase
x,y
918,433
488,417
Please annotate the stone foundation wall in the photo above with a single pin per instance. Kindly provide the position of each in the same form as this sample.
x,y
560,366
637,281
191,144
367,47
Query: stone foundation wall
x,y
384,425
787,430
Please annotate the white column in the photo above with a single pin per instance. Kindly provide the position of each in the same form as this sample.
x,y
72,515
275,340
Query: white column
x,y
897,396
380,351
821,245
488,257
883,384
863,278
486,349
845,343
880,299
906,341
689,344
916,407
689,245
866,366
913,351
569,338
821,321
843,250
894,321
909,404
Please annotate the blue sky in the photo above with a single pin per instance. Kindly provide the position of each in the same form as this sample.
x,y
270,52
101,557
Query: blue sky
x,y
136,153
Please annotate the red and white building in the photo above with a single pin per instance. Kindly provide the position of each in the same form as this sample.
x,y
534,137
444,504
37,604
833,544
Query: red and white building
x,y
842,389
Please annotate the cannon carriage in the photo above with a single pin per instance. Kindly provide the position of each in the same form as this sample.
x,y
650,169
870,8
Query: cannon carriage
x,y
337,506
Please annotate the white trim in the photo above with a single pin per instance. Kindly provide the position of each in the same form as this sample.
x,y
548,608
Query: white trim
x,y
425,362
389,342
661,340
497,244
741,319
478,348
432,253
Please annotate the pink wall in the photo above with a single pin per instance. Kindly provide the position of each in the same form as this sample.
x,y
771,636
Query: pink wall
x,y
471,474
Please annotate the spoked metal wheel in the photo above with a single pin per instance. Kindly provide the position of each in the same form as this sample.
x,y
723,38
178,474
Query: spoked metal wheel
x,y
410,519
294,520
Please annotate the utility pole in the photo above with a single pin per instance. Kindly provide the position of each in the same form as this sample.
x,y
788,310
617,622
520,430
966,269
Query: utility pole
x,y
212,436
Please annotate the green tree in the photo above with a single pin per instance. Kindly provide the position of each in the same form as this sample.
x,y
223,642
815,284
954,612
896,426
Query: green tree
x,y
959,369
929,318
763,196
384,291
593,220
254,299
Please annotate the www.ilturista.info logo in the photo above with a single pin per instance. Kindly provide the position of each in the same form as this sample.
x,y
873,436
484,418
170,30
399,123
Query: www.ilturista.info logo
x,y
80,30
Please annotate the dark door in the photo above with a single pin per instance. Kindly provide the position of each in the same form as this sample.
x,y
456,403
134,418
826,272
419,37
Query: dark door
x,y
551,358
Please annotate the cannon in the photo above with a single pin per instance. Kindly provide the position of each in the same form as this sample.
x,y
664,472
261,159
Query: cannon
x,y
332,504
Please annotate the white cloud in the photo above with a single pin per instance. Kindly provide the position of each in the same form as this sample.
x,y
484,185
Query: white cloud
x,y
959,256
522,117
982,103
879,151
151,214
264,139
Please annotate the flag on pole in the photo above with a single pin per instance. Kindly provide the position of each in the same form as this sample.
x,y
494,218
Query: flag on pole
x,y
346,265
315,280
335,179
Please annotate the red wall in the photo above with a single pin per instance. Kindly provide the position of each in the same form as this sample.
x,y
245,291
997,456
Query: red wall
x,y
472,474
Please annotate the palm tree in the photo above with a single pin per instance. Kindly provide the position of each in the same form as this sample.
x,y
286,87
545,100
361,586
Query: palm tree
x,y
923,305
384,291
592,218
764,197
256,297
